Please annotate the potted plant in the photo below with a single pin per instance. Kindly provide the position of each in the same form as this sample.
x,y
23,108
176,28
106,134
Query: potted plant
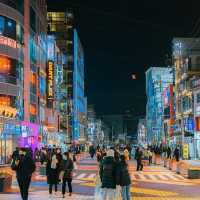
x,y
5,181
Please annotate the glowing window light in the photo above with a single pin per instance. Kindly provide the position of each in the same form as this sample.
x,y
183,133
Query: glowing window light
x,y
5,64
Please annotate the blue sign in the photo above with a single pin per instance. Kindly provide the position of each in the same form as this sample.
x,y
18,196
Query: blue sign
x,y
189,124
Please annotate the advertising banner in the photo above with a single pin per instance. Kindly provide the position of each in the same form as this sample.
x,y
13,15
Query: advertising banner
x,y
50,80
185,151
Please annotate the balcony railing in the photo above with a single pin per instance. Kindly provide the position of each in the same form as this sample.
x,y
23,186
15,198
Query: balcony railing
x,y
8,79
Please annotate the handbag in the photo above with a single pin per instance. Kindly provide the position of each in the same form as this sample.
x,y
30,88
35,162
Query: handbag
x,y
61,175
14,164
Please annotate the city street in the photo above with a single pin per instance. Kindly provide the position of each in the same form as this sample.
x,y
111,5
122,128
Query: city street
x,y
154,183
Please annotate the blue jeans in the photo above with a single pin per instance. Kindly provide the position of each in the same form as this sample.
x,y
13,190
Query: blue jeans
x,y
126,193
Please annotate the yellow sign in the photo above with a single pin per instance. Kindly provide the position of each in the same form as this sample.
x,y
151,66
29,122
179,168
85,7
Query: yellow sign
x,y
50,79
185,151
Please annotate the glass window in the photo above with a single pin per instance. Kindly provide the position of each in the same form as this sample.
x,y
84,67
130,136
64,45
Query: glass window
x,y
2,24
10,28
32,19
198,98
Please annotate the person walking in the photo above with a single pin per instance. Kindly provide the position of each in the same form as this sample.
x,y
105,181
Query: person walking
x,y
138,156
67,167
123,178
177,154
24,166
52,172
169,153
107,174
150,156
126,154
92,151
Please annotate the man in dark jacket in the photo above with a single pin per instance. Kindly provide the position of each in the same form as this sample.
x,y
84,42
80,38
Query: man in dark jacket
x,y
123,178
138,157
25,168
177,154
108,175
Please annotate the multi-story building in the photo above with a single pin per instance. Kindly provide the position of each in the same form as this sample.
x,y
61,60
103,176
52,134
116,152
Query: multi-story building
x,y
73,115
186,56
23,61
157,79
142,133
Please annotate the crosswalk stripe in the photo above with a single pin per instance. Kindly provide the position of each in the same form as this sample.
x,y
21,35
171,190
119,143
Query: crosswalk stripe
x,y
81,176
92,175
152,177
179,177
171,177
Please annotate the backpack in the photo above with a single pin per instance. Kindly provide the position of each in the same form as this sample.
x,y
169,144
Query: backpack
x,y
13,165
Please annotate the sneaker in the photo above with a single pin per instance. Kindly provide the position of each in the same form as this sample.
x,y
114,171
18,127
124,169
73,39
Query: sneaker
x,y
63,196
50,196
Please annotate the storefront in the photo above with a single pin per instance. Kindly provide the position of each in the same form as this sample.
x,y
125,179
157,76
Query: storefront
x,y
9,132
29,136
196,92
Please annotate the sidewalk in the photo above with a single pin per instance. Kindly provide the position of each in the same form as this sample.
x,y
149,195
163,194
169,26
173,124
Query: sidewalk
x,y
43,195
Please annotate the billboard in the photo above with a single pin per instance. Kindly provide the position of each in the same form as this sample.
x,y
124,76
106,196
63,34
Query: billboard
x,y
50,80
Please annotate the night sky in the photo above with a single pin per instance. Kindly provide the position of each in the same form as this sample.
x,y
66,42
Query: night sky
x,y
121,37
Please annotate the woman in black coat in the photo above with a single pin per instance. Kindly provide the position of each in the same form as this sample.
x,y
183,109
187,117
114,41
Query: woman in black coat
x,y
123,178
52,172
67,167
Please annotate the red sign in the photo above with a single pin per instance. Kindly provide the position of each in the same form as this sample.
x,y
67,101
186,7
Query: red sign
x,y
8,42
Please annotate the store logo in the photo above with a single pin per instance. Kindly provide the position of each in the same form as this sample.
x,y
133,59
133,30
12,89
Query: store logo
x,y
50,74
8,42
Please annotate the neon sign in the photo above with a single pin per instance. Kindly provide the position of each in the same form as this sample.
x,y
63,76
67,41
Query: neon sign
x,y
8,42
50,74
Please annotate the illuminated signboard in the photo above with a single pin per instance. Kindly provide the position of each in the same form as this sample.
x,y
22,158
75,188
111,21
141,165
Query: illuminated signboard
x,y
50,75
8,42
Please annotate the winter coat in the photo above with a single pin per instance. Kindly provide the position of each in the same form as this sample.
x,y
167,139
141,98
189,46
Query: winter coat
x,y
25,167
52,174
107,172
123,177
67,166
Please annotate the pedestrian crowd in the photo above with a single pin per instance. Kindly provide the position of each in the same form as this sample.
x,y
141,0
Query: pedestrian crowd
x,y
58,168
113,180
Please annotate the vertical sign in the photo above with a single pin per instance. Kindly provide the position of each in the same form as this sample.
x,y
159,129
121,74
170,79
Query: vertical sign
x,y
171,109
50,80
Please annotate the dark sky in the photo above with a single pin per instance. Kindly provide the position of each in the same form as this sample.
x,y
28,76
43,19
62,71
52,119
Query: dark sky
x,y
121,37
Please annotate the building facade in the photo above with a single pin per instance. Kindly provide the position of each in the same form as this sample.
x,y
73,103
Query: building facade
x,y
157,80
186,56
74,104
142,133
22,57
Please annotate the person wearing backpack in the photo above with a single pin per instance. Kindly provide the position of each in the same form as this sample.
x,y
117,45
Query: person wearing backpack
x,y
24,166
123,178
67,167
